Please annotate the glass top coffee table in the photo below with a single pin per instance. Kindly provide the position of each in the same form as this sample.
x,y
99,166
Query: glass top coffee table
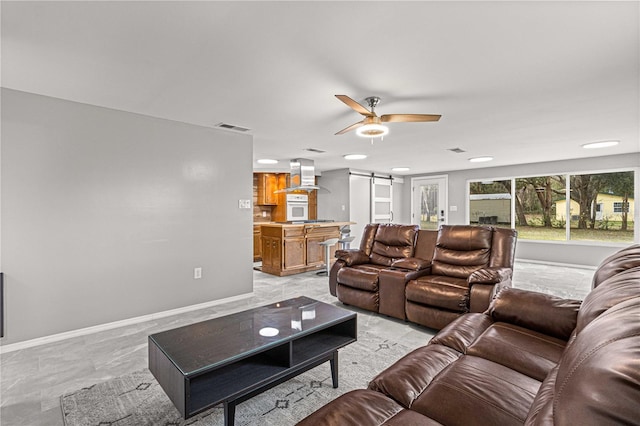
x,y
233,358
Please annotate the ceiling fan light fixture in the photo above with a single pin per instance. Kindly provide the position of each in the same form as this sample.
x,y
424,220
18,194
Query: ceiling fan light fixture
x,y
372,130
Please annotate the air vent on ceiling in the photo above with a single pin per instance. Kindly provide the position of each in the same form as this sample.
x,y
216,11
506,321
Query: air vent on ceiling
x,y
227,126
319,151
456,150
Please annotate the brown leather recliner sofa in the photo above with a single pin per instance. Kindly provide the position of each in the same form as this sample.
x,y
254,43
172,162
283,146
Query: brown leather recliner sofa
x,y
531,359
427,277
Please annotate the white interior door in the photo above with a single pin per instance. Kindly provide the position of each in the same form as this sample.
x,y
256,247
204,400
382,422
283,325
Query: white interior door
x,y
429,202
381,200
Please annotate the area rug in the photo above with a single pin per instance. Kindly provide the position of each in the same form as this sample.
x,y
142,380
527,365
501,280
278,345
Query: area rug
x,y
137,399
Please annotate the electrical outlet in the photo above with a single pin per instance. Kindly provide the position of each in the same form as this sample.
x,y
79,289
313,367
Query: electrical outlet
x,y
197,273
244,204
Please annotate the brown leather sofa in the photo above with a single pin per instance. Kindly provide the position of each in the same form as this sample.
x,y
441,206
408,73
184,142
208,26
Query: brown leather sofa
x,y
531,359
427,277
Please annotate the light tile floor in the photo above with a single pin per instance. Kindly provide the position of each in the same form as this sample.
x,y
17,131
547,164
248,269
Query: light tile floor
x,y
32,380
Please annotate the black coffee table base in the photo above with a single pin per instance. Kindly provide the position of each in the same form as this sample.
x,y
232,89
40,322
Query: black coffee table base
x,y
230,405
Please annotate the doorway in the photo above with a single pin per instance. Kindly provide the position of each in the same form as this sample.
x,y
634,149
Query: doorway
x,y
429,201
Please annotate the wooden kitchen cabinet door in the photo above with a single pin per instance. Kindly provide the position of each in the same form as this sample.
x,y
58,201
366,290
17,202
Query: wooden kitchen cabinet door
x,y
267,185
257,243
294,253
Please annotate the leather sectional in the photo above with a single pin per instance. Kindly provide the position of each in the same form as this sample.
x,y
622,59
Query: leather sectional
x,y
530,358
426,277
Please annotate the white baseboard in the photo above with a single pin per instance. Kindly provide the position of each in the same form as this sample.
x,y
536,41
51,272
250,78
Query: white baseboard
x,y
566,265
111,325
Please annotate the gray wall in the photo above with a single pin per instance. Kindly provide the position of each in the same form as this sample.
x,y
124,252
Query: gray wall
x,y
105,214
559,252
333,194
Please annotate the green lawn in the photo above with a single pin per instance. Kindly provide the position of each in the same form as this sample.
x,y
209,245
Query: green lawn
x,y
558,234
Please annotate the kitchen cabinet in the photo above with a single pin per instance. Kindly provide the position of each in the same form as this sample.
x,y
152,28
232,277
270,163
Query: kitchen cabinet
x,y
279,212
271,253
257,243
315,251
292,249
267,185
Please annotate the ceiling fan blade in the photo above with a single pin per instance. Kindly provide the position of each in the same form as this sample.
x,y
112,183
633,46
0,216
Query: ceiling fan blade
x,y
355,106
353,126
408,118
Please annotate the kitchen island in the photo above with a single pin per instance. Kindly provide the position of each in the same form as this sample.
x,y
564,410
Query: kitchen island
x,y
294,247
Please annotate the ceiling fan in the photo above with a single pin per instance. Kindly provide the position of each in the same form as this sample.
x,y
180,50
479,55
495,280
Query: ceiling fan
x,y
371,126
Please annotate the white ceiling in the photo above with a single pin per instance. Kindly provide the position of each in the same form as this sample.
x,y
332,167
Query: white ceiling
x,y
523,82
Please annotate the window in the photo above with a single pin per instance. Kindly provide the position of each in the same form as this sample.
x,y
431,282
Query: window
x,y
619,207
490,203
599,206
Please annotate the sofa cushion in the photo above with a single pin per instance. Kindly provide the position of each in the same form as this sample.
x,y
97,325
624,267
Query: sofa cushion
x,y
536,311
462,332
363,406
526,351
620,261
478,391
439,290
393,242
408,377
362,278
541,411
462,250
620,287
598,379
368,300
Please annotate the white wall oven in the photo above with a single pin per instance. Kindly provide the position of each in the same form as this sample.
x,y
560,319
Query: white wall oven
x,y
297,207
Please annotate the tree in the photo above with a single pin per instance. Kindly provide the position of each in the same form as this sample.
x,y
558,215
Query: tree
x,y
584,191
620,183
543,189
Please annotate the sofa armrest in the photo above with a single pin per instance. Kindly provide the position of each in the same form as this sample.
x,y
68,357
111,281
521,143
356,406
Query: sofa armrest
x,y
540,312
333,276
352,257
490,276
411,264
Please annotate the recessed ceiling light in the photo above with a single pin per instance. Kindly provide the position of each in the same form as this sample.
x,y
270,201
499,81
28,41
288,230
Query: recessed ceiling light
x,y
480,159
355,157
267,161
400,169
601,144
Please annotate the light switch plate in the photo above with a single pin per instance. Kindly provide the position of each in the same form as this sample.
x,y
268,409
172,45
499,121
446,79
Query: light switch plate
x,y
244,204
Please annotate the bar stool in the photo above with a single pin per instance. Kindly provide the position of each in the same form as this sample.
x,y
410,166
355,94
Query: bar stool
x,y
327,255
345,240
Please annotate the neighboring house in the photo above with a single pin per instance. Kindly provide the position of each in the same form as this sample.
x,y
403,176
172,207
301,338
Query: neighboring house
x,y
490,208
607,206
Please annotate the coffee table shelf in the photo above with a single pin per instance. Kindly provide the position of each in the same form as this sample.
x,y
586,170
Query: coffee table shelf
x,y
230,359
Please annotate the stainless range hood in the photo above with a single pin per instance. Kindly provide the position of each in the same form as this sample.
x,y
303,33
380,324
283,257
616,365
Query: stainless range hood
x,y
303,174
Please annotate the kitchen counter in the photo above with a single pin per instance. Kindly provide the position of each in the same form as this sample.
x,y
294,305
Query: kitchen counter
x,y
294,247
